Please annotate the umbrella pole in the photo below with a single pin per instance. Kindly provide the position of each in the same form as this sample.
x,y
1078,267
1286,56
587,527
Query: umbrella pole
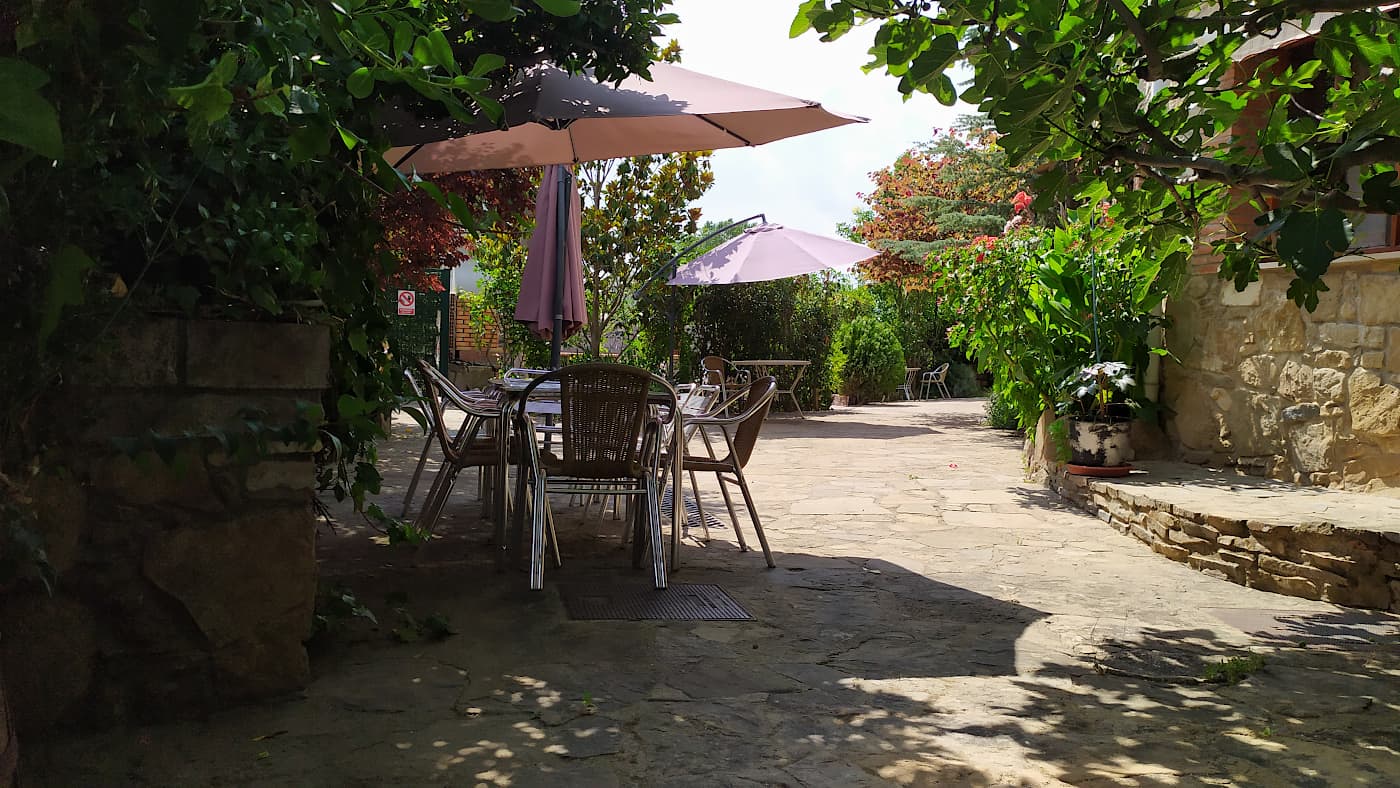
x,y
561,239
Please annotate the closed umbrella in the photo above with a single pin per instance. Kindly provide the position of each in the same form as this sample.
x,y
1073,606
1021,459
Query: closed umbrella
x,y
770,251
556,239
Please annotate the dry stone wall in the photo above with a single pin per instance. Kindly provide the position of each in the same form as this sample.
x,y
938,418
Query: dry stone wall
x,y
184,583
1261,384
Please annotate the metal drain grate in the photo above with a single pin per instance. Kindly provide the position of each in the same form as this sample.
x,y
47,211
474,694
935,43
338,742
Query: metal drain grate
x,y
683,602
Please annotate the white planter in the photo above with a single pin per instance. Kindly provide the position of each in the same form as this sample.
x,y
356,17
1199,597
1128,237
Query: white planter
x,y
1100,444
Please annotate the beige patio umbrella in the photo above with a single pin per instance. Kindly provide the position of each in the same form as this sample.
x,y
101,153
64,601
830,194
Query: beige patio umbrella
x,y
554,117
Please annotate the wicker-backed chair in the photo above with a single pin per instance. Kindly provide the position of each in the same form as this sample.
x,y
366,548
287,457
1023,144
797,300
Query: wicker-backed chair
x,y
609,441
740,434
469,447
717,371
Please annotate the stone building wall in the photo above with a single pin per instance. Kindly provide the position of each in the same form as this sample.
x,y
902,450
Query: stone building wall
x,y
184,582
1261,384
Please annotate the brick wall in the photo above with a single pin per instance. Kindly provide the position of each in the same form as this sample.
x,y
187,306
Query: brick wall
x,y
469,341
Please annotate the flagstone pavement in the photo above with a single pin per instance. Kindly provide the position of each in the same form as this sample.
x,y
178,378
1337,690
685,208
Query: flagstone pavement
x,y
933,620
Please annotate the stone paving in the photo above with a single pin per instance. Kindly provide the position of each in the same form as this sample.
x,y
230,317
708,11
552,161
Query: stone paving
x,y
934,620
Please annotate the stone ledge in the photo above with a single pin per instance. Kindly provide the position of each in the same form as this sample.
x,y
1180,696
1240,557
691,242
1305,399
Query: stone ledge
x,y
1330,545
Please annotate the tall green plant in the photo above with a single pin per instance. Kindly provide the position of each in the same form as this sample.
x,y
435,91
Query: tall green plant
x,y
872,361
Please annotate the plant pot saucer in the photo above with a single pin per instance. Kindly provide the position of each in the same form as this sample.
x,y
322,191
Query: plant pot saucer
x,y
1104,471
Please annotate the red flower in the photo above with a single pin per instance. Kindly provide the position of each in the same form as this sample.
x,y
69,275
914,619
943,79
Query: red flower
x,y
1021,202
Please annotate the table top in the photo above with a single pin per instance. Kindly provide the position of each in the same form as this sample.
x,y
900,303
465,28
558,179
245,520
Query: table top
x,y
771,362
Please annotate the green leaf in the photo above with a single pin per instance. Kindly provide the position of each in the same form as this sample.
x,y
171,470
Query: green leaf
x,y
26,117
360,83
559,7
944,91
485,64
350,138
309,142
65,287
348,406
493,10
442,51
1310,240
403,39
1287,161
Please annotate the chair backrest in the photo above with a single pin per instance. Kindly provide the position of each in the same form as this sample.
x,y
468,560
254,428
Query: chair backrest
x,y
442,392
428,412
603,410
910,374
757,400
713,370
940,372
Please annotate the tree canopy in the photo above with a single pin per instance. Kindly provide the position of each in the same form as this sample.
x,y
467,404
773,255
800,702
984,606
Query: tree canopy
x,y
1273,125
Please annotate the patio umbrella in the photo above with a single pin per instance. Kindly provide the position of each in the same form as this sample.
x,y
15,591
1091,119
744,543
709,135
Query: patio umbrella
x,y
553,117
556,238
770,251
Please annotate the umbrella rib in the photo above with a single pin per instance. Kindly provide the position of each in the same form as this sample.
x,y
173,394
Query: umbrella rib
x,y
725,130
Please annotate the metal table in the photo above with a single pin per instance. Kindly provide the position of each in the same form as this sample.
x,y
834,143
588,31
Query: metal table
x,y
764,366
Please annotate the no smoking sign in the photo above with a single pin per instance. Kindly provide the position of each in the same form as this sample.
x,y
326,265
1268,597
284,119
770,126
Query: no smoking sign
x,y
408,302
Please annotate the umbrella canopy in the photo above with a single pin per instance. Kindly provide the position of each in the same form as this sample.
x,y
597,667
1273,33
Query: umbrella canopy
x,y
555,253
770,251
553,117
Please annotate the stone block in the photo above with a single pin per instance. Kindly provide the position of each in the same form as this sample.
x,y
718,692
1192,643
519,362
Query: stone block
x,y
1258,372
1249,296
230,355
281,476
1237,558
1378,301
142,353
249,585
1198,530
1375,406
1296,414
1328,383
1227,525
1142,534
1214,566
1242,543
1171,551
1332,359
1372,359
1191,543
49,652
1295,381
1372,338
1341,336
1392,350
1372,592
147,480
1292,586
1281,324
1311,446
1279,567
1331,562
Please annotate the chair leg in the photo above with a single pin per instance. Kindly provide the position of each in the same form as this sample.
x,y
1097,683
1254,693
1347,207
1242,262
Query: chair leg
x,y
753,515
658,546
699,507
417,474
537,523
797,405
640,511
729,503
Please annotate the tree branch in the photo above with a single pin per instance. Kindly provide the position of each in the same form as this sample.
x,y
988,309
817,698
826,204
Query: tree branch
x,y
1149,49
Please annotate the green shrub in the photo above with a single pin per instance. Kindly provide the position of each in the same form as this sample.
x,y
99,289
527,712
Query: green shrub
x,y
873,366
962,380
1000,413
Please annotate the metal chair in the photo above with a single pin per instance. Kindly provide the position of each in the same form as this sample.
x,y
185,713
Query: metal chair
x,y
937,379
609,441
910,373
717,371
740,434
470,446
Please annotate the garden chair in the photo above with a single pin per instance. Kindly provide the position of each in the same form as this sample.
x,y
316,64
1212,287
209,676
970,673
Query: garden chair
x,y
609,441
717,371
937,379
907,387
740,434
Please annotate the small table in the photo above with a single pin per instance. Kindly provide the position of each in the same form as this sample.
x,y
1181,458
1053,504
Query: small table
x,y
763,366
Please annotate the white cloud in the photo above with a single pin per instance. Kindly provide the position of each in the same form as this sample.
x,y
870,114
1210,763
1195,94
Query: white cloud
x,y
807,182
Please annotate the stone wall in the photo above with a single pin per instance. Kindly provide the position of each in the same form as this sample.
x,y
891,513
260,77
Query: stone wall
x,y
1263,385
184,582
1315,559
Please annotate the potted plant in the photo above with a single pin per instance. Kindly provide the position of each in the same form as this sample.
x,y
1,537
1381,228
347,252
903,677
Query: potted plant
x,y
1100,414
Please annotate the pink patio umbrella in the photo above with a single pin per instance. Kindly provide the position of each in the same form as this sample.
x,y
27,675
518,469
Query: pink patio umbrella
x,y
554,117
770,251
555,260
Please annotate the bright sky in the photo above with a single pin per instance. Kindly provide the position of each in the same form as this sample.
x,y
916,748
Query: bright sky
x,y
807,182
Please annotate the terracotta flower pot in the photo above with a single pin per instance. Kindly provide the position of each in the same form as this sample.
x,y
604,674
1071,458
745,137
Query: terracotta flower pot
x,y
1099,443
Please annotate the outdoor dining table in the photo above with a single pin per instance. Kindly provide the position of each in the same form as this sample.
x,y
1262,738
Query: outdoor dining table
x,y
765,366
512,390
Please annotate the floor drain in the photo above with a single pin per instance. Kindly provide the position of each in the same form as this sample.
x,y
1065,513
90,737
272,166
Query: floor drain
x,y
680,602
